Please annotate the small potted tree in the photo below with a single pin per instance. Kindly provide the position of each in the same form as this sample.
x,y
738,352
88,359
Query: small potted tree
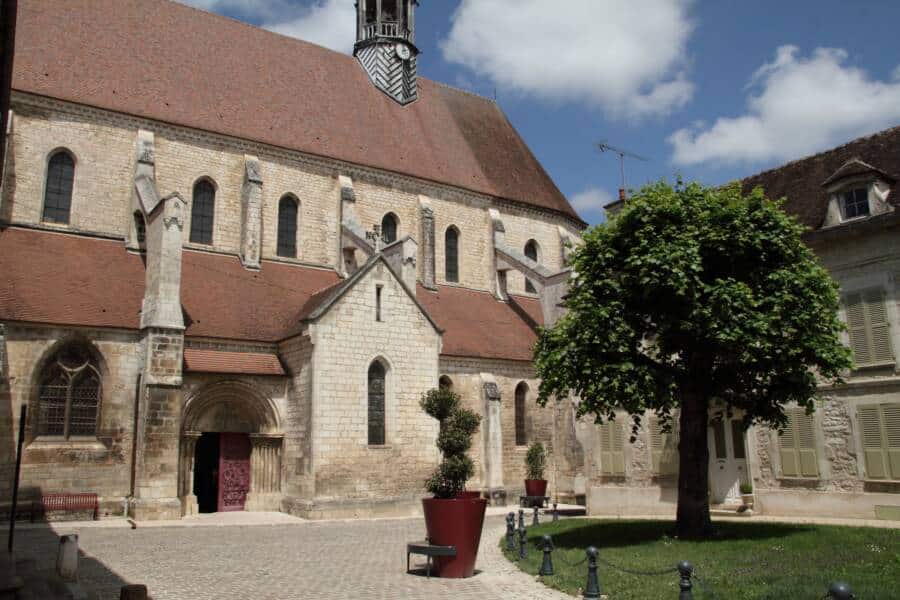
x,y
535,463
452,519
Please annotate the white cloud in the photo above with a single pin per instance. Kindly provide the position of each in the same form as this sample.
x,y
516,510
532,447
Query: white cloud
x,y
626,56
329,23
590,203
896,74
797,106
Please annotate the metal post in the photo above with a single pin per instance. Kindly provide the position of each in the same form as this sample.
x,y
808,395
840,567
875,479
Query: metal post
x,y
521,519
536,520
15,495
522,541
840,591
592,589
511,532
547,563
555,513
687,588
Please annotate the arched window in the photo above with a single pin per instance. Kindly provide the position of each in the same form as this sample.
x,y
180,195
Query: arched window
x,y
389,228
140,228
451,255
531,251
58,187
445,383
287,227
376,404
69,396
203,212
521,394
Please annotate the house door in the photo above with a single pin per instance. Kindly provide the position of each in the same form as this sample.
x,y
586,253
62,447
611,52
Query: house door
x,y
727,461
234,471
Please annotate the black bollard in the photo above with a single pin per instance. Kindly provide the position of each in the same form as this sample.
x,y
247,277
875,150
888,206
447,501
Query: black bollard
x,y
547,563
592,589
521,518
840,591
687,588
536,520
522,541
555,513
511,532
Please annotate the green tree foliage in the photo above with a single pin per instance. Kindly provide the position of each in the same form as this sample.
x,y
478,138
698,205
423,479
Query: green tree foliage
x,y
694,298
457,426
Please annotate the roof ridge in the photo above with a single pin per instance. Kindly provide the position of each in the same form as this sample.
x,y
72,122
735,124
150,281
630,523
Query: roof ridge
x,y
461,90
864,138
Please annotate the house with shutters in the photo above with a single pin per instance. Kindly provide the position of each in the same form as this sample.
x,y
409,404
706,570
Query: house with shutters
x,y
232,262
844,459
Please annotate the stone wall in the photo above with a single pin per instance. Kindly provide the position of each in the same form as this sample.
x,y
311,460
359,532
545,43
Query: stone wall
x,y
297,450
101,465
346,341
104,146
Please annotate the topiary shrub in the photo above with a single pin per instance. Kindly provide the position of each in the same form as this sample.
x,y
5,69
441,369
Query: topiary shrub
x,y
458,425
536,461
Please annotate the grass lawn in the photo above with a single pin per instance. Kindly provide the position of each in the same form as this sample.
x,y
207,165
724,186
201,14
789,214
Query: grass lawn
x,y
749,560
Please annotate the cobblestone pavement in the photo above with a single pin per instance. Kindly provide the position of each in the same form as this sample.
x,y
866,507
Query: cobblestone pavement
x,y
328,560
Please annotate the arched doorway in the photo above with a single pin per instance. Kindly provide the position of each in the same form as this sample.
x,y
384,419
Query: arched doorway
x,y
230,450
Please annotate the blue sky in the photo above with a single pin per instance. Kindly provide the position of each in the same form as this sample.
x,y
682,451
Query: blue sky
x,y
712,90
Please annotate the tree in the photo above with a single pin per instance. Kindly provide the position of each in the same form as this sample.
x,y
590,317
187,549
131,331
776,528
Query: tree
x,y
694,298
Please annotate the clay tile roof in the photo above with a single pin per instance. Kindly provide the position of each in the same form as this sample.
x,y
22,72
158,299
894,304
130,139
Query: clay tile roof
x,y
219,361
222,299
801,181
172,63
478,325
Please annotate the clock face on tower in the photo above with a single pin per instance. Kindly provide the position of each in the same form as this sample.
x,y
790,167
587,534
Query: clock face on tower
x,y
403,51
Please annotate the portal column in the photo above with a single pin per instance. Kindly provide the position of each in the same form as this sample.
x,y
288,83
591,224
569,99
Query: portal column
x,y
186,481
493,440
265,472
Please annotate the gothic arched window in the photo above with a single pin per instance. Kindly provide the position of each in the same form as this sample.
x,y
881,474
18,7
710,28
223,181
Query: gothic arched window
x,y
203,212
376,404
521,394
389,228
58,187
531,251
451,255
69,396
287,226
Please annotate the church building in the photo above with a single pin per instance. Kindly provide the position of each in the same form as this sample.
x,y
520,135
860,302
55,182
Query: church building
x,y
232,262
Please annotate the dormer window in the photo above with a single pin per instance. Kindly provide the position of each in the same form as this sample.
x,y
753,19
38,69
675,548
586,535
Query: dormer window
x,y
855,203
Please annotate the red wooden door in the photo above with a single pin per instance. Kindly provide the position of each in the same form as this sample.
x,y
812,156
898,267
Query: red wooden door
x,y
234,471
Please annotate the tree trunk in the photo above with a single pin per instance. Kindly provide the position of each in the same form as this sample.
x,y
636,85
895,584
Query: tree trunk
x,y
693,475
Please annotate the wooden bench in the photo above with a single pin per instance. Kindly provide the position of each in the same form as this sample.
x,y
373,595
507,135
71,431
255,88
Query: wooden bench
x,y
67,503
428,551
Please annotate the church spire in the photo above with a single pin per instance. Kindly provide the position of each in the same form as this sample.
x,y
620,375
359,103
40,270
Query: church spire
x,y
385,46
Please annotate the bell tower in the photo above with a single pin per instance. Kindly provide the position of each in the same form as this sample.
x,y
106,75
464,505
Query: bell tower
x,y
385,46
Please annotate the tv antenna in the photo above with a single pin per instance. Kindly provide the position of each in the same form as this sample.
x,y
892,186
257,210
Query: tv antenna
x,y
604,147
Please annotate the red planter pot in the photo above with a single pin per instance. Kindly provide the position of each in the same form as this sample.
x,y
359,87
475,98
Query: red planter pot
x,y
535,487
455,522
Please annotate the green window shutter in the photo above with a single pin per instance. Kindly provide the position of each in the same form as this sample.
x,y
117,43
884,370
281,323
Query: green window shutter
x,y
790,458
891,418
606,460
856,326
879,331
873,445
806,443
618,449
656,445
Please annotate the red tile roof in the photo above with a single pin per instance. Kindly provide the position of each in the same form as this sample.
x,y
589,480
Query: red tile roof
x,y
172,63
64,279
801,181
219,361
477,325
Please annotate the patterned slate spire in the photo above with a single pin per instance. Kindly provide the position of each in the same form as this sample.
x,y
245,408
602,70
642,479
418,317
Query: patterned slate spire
x,y
385,46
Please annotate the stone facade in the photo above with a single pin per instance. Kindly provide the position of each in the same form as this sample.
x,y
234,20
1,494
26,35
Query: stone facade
x,y
307,429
